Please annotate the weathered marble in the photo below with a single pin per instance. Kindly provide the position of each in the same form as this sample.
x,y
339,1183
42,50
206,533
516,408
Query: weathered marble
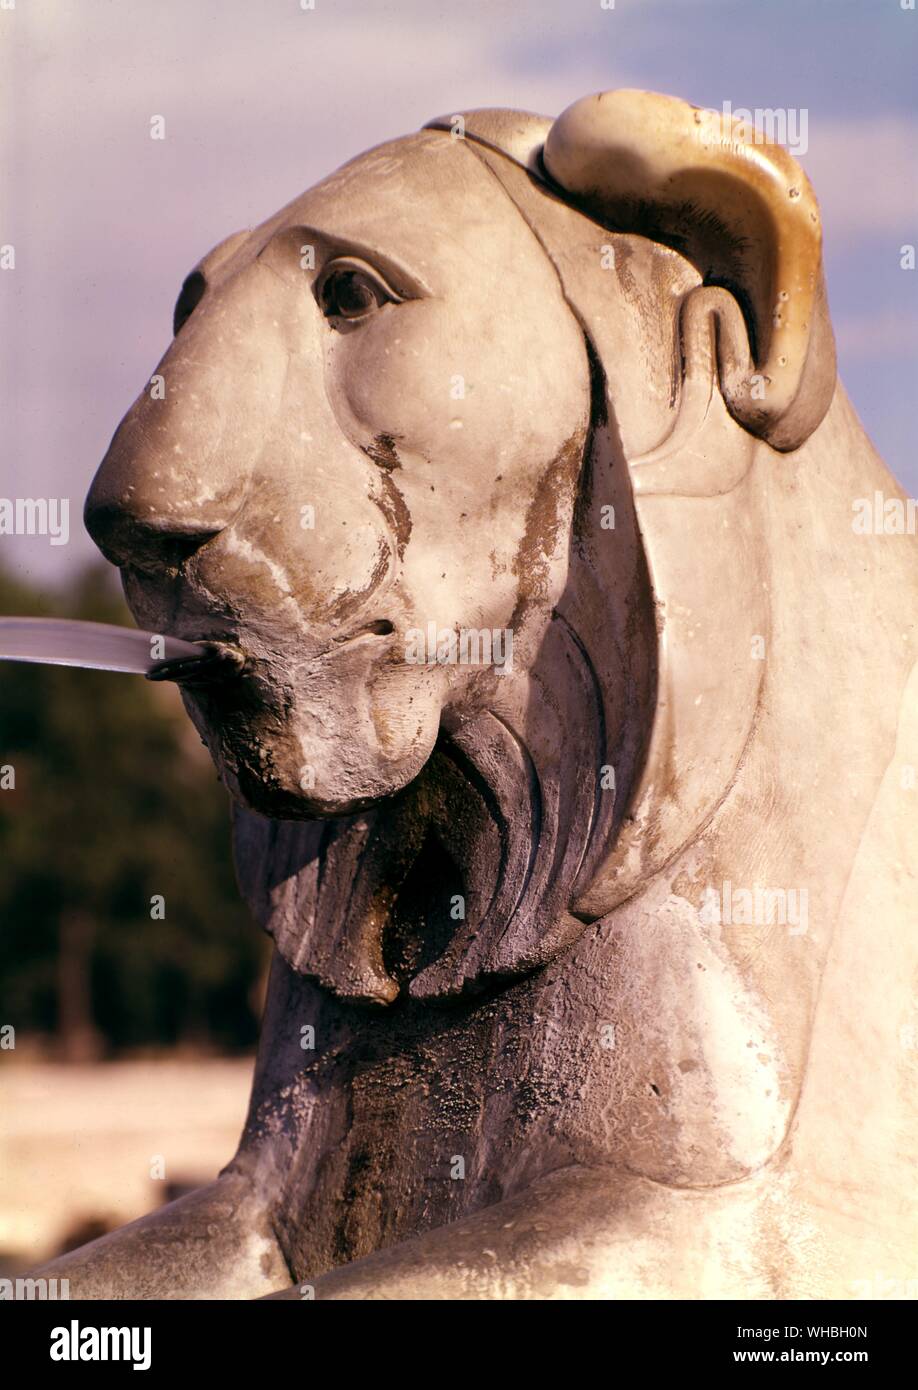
x,y
508,333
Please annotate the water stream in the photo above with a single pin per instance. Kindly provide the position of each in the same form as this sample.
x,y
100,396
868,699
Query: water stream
x,y
104,647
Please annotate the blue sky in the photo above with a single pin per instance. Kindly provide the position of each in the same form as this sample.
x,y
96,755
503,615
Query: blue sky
x,y
262,99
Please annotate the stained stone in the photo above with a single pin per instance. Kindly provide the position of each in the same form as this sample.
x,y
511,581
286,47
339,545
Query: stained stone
x,y
542,1066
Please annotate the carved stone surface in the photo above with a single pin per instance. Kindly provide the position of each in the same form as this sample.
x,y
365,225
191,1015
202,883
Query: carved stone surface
x,y
604,943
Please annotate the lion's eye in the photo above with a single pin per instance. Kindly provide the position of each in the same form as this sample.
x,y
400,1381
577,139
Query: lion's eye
x,y
351,292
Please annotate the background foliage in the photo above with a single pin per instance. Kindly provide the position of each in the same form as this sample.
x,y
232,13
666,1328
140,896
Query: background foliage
x,y
115,801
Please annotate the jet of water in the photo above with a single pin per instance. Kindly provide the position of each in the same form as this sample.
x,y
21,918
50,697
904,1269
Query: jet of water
x,y
104,647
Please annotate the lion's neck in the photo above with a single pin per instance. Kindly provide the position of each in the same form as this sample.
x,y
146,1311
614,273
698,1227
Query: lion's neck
x,y
659,1042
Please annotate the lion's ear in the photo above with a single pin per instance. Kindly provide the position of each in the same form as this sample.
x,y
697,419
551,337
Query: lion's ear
x,y
743,212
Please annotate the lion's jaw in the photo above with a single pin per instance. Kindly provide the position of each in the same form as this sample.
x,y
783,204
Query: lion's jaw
x,y
322,737
463,877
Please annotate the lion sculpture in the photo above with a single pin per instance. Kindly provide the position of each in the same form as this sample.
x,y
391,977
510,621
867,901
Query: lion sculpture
x,y
570,732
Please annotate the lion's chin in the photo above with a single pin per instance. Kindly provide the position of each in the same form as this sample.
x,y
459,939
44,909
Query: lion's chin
x,y
272,766
278,802
319,741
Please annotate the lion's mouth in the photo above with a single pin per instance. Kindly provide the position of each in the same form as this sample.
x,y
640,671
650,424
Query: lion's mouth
x,y
219,662
223,660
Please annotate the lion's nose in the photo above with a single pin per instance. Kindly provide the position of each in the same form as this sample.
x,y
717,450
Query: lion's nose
x,y
147,510
143,543
178,469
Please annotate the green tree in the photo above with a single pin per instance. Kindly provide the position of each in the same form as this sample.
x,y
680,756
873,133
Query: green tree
x,y
114,807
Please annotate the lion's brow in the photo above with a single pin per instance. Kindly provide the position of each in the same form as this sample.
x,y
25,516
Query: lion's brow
x,y
334,244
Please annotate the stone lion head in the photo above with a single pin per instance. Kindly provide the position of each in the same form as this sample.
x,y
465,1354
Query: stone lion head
x,y
412,455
